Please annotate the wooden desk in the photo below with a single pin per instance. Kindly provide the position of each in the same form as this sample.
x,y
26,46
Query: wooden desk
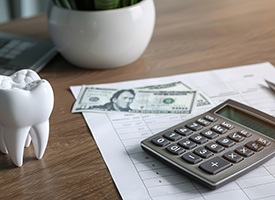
x,y
190,35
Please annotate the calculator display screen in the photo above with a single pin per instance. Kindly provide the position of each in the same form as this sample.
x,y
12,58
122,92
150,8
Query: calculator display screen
x,y
247,120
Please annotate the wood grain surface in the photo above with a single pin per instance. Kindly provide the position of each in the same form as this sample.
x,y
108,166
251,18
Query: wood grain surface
x,y
189,36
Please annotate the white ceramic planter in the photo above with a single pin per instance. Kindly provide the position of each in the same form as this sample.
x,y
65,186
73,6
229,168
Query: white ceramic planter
x,y
102,39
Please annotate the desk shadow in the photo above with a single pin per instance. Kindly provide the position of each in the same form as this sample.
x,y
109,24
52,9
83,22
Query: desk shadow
x,y
6,163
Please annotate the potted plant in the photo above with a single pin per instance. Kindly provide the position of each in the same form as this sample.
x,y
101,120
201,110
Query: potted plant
x,y
101,34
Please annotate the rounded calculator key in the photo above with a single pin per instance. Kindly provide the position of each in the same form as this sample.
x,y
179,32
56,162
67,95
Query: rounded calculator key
x,y
175,149
244,133
191,158
187,144
244,151
225,142
232,157
263,142
199,139
203,122
210,118
183,131
170,135
215,165
236,137
202,152
214,147
160,141
209,134
219,129
227,125
194,126
254,146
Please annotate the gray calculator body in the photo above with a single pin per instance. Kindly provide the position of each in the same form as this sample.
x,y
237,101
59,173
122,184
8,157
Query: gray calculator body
x,y
218,146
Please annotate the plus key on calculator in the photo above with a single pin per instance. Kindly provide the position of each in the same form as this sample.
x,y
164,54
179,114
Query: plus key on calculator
x,y
218,146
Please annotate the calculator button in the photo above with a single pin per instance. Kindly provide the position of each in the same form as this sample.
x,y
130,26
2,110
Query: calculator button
x,y
160,141
210,118
225,142
243,151
219,129
236,137
191,158
198,139
227,125
172,136
194,126
187,144
215,165
254,146
263,142
183,131
245,133
214,147
175,149
209,134
232,157
202,152
203,122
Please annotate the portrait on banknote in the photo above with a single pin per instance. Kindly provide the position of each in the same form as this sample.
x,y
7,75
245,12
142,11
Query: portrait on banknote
x,y
120,101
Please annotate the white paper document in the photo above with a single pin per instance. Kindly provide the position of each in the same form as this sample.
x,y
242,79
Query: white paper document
x,y
139,176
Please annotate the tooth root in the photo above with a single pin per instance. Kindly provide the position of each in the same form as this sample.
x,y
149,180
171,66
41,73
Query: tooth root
x,y
3,147
15,139
40,135
28,141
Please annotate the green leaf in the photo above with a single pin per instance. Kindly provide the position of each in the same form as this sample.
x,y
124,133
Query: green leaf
x,y
66,4
73,4
106,4
56,2
134,2
124,3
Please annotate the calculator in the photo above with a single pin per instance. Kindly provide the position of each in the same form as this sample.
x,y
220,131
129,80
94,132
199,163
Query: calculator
x,y
217,146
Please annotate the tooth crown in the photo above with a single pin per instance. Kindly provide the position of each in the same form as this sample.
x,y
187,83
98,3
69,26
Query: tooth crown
x,y
25,107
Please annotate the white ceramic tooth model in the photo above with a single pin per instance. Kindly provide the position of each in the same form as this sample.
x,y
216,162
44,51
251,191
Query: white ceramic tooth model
x,y
26,102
